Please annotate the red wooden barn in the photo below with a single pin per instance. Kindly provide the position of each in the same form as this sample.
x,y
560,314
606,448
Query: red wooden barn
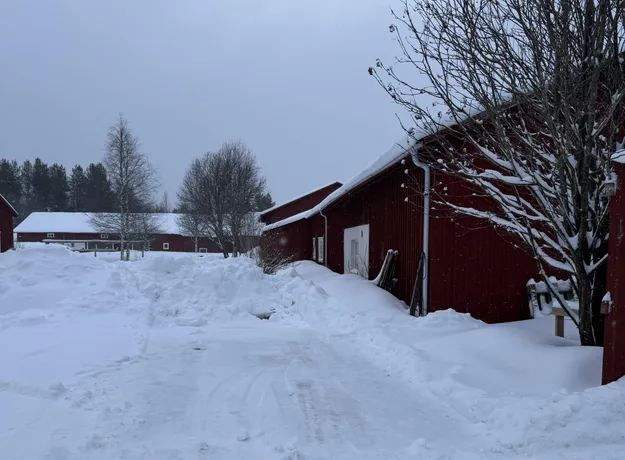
x,y
75,230
614,307
7,214
469,266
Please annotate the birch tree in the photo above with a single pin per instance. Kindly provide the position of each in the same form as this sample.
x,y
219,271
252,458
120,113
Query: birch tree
x,y
133,182
191,224
144,227
521,101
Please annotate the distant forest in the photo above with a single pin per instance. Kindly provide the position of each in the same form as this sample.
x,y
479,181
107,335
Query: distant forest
x,y
37,186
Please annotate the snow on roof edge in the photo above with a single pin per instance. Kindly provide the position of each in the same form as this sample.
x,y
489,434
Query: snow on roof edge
x,y
262,213
9,205
288,220
382,163
618,156
410,141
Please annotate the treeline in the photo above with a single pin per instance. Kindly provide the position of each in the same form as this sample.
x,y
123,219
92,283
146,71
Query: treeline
x,y
37,186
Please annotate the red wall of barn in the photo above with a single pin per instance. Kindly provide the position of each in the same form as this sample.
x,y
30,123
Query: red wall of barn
x,y
393,224
475,268
293,240
299,205
614,339
177,243
39,237
6,228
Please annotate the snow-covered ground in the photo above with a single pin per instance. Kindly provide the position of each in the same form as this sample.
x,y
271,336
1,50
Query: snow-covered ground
x,y
164,358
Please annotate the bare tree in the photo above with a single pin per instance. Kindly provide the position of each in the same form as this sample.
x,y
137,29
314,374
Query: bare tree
x,y
218,193
273,253
252,230
204,195
144,227
521,101
163,206
191,224
246,184
133,182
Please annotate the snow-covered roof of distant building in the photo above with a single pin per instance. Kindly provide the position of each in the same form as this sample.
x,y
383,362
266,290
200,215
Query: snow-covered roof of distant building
x,y
298,197
80,222
4,200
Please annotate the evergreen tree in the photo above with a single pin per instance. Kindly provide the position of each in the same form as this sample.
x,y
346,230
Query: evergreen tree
x,y
59,188
263,201
98,193
77,189
27,203
41,185
10,186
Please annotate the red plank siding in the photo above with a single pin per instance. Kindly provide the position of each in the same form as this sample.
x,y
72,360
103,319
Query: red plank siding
x,y
393,224
177,243
6,227
294,240
474,268
614,338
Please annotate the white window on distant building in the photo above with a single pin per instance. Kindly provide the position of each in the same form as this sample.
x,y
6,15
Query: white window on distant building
x,y
165,246
320,249
103,236
50,235
203,250
314,255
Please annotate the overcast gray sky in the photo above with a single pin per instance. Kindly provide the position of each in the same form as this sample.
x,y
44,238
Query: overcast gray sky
x,y
288,77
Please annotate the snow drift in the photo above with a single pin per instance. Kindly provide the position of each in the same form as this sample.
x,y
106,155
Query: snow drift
x,y
165,357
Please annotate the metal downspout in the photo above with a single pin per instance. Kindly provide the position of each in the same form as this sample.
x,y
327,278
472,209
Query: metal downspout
x,y
325,239
426,229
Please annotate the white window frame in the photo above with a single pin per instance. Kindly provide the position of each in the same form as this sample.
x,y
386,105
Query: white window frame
x,y
50,235
165,246
103,236
203,250
314,252
320,249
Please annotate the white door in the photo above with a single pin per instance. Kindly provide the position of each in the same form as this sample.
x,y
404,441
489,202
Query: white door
x,y
356,250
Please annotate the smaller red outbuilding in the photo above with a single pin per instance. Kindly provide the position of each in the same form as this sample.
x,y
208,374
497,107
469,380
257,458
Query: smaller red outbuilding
x,y
7,214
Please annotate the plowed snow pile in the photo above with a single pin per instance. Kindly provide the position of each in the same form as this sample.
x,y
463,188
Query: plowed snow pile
x,y
166,358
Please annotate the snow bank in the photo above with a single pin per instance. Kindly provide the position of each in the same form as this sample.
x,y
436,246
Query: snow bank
x,y
122,357
524,390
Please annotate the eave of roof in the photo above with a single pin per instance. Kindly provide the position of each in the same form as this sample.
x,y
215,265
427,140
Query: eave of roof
x,y
4,200
278,206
